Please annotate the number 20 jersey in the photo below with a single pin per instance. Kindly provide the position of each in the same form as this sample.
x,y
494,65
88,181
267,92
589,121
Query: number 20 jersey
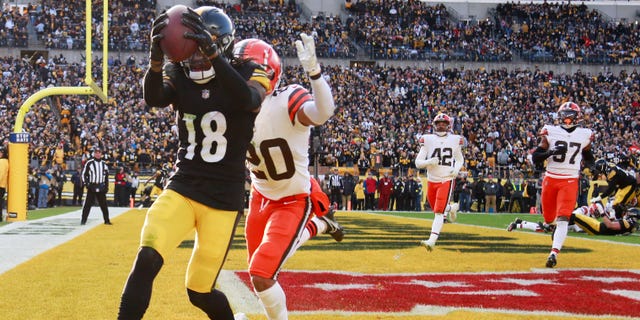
x,y
567,165
278,156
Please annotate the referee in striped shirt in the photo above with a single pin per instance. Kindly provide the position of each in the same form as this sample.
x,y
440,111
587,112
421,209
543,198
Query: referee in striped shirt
x,y
95,176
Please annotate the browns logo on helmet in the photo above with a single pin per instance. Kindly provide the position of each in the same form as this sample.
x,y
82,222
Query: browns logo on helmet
x,y
263,54
441,124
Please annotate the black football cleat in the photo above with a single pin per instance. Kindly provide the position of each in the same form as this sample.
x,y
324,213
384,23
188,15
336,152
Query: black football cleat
x,y
551,261
334,229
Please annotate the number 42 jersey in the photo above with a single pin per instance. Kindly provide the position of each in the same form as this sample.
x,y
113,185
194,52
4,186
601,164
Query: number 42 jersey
x,y
278,156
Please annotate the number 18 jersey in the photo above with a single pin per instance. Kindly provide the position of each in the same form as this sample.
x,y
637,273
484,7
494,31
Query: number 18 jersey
x,y
278,156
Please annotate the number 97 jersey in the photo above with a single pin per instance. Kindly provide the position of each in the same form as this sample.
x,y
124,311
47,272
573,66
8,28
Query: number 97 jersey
x,y
278,155
566,165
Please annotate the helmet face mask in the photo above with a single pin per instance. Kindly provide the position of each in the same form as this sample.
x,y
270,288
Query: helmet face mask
x,y
223,32
198,68
569,114
441,124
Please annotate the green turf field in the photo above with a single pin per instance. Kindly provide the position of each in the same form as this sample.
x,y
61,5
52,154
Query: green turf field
x,y
477,271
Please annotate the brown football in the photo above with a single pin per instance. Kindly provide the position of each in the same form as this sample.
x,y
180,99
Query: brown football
x,y
174,45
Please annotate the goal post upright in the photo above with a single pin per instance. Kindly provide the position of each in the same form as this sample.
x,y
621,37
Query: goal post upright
x,y
19,139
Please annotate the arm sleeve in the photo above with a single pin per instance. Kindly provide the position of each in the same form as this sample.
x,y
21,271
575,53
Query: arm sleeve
x,y
321,109
156,92
248,96
589,159
539,155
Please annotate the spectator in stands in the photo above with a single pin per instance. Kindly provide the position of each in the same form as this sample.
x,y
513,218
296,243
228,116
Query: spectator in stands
x,y
363,164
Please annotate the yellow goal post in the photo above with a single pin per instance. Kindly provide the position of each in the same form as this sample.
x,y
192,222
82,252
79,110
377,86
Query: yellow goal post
x,y
19,139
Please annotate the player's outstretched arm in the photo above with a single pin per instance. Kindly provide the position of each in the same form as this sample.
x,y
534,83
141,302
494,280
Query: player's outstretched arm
x,y
322,107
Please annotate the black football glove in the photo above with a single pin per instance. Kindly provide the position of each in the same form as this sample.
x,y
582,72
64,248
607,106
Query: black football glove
x,y
558,150
200,34
155,52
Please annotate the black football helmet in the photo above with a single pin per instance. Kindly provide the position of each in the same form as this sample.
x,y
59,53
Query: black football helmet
x,y
602,166
633,215
220,26
198,68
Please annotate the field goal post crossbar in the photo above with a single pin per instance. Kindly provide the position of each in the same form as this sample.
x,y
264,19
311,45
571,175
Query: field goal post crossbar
x,y
19,140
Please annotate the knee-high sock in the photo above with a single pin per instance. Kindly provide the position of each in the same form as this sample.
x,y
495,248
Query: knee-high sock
x,y
436,226
274,302
137,291
529,225
559,236
314,227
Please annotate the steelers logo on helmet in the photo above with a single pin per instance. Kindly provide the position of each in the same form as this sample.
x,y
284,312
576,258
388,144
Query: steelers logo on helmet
x,y
569,114
263,54
198,67
441,124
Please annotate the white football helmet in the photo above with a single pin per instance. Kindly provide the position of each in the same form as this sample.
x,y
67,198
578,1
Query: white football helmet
x,y
441,124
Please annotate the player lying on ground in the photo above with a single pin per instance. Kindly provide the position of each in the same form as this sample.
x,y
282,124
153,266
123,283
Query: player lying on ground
x,y
585,219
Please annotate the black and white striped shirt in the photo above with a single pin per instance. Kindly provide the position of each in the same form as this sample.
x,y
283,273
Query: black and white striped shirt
x,y
95,172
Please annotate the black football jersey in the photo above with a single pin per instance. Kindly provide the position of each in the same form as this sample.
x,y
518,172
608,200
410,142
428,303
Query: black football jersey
x,y
214,133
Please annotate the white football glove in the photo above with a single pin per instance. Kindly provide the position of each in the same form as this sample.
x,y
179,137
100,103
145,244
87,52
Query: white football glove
x,y
431,162
596,199
307,54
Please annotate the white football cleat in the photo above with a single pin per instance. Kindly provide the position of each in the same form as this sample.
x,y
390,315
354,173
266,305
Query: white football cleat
x,y
453,212
428,245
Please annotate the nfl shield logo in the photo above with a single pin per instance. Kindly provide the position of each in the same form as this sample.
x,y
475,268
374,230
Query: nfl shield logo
x,y
205,94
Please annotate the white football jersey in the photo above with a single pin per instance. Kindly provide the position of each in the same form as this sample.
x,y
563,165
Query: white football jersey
x,y
567,165
278,156
449,151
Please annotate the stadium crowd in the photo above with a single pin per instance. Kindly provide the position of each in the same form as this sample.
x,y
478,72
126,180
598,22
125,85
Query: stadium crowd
x,y
551,32
381,109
